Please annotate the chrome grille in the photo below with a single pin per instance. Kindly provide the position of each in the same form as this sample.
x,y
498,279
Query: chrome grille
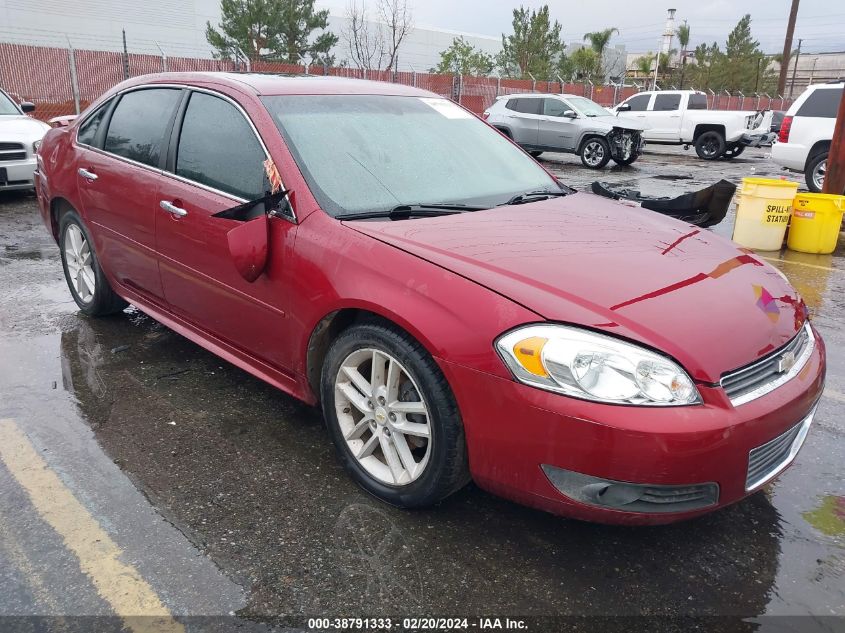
x,y
759,378
766,461
12,151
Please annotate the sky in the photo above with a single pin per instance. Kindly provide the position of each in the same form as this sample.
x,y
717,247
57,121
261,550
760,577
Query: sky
x,y
820,22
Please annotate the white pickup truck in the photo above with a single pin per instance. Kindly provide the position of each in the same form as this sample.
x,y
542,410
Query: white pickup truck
x,y
681,117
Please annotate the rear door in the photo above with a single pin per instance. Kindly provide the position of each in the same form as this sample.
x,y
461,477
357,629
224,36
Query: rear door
x,y
522,116
555,130
118,173
664,117
217,162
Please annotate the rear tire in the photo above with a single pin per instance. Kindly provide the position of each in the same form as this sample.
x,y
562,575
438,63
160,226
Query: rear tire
x,y
88,285
595,152
815,171
536,154
627,161
710,145
733,152
367,408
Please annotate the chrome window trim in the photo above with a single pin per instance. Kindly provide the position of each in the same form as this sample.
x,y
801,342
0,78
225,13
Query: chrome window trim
x,y
291,218
783,378
796,445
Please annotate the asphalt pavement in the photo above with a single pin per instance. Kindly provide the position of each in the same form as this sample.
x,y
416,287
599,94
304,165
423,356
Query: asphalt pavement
x,y
147,485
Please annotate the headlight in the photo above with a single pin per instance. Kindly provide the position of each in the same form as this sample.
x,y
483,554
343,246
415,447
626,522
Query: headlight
x,y
35,146
591,366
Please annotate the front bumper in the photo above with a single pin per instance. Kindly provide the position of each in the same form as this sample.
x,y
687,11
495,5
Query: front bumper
x,y
516,434
17,174
758,139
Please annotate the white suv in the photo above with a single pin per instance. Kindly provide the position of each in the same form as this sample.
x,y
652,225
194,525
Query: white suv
x,y
806,132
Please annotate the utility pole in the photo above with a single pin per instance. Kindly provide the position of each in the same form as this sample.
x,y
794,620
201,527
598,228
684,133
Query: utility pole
x,y
787,47
795,68
834,179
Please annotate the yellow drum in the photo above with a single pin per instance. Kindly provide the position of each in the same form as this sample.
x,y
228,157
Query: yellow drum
x,y
762,213
816,220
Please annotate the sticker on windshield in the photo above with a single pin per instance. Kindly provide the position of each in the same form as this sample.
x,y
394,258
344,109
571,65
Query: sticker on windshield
x,y
447,108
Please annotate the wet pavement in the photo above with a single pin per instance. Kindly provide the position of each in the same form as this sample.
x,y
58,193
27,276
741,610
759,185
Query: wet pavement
x,y
216,494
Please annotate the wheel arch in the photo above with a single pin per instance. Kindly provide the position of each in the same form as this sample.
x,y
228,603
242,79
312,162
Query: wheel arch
x,y
336,322
817,148
586,136
701,128
504,129
58,207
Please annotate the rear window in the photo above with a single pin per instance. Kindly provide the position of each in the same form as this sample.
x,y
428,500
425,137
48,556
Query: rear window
x,y
668,102
822,102
136,130
526,106
697,102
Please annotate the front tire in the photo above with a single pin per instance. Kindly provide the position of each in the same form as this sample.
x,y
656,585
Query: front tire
x,y
710,145
732,152
392,417
595,153
624,162
536,154
815,171
88,285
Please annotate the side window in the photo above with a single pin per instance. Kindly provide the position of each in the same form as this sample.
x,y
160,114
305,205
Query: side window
x,y
136,130
529,106
554,107
88,130
697,101
512,104
639,103
822,102
667,102
218,148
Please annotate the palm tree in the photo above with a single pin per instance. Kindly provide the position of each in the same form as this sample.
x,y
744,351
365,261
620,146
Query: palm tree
x,y
599,41
683,40
645,63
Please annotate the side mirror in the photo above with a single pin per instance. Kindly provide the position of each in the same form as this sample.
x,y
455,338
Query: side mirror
x,y
570,114
625,107
28,106
248,247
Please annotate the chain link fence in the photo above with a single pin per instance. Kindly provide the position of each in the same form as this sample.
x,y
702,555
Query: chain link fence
x,y
63,81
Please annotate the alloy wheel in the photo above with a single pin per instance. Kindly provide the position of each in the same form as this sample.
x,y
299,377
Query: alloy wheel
x,y
818,174
593,153
80,263
383,418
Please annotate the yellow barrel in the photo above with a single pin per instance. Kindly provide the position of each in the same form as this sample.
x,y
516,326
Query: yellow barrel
x,y
816,219
762,213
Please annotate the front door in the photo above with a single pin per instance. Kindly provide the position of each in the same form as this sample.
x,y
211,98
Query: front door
x,y
218,164
555,130
118,177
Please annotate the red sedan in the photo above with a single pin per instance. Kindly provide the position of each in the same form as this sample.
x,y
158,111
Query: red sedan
x,y
456,312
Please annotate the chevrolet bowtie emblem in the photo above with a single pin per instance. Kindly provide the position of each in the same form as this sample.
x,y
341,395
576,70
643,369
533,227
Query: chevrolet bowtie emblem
x,y
786,362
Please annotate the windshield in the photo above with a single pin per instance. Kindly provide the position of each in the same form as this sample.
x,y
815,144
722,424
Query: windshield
x,y
587,107
7,106
366,153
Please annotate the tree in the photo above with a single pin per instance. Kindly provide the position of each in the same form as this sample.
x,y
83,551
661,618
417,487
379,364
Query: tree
x,y
739,65
586,64
399,21
599,41
462,58
364,41
534,47
271,29
683,34
645,64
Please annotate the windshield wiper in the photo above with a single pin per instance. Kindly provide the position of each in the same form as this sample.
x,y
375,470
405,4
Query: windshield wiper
x,y
412,210
534,196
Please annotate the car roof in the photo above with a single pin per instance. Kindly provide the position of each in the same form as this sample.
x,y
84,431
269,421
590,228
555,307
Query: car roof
x,y
539,94
279,84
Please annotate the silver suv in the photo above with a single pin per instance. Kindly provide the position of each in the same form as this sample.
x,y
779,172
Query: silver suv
x,y
567,123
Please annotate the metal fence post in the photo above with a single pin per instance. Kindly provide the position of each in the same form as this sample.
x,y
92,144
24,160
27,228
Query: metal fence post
x,y
125,57
163,58
742,100
533,82
591,89
498,85
74,82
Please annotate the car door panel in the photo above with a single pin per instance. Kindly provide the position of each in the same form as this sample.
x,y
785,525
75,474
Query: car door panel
x,y
554,130
200,280
118,186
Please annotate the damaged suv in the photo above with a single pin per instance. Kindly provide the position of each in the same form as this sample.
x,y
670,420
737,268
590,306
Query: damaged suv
x,y
566,123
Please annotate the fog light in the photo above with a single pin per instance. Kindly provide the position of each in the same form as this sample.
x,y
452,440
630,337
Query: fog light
x,y
628,497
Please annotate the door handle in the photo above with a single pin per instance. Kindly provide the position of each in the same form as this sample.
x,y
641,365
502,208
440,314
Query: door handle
x,y
90,176
172,209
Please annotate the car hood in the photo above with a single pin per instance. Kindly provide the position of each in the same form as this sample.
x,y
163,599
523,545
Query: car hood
x,y
627,271
21,128
615,121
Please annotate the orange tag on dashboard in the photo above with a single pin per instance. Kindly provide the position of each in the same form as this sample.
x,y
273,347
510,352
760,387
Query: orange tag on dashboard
x,y
273,175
